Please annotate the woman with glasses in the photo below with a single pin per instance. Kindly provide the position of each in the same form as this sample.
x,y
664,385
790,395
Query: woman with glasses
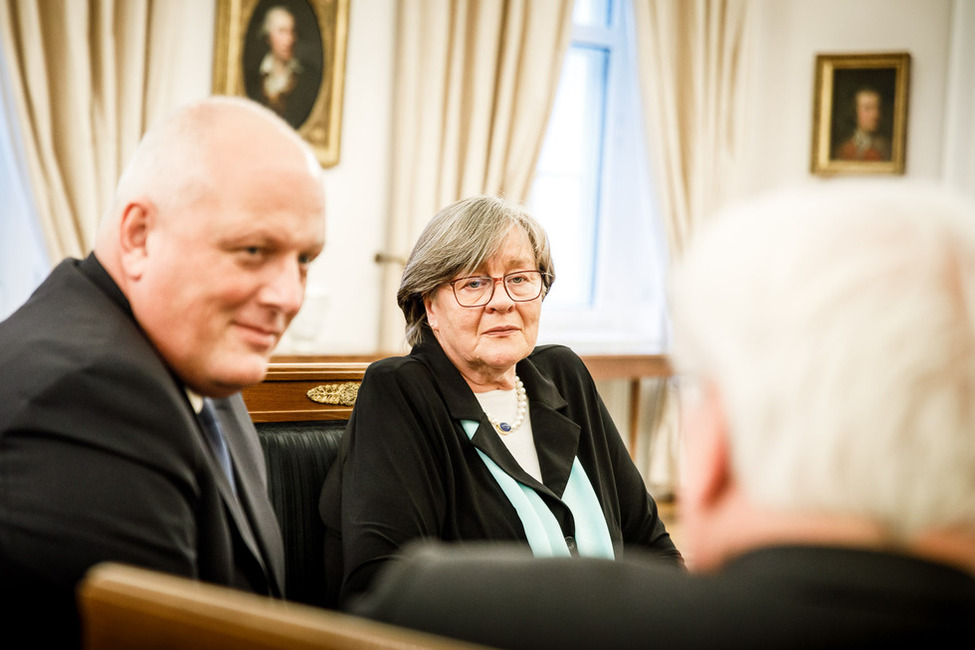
x,y
477,435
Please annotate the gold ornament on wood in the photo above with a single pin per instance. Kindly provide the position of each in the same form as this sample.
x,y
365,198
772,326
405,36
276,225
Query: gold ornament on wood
x,y
343,394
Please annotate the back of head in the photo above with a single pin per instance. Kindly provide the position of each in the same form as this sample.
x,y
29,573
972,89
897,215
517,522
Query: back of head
x,y
838,324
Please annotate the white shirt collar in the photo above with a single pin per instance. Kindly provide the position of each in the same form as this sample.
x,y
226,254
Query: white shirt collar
x,y
196,401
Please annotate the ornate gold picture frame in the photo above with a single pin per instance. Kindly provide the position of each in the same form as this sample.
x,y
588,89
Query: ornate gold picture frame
x,y
860,113
290,56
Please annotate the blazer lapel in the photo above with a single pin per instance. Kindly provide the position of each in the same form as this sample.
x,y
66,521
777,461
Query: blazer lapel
x,y
489,441
556,436
557,444
556,441
250,508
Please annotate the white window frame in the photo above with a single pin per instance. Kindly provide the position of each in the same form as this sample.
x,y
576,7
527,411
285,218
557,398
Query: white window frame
x,y
23,258
628,313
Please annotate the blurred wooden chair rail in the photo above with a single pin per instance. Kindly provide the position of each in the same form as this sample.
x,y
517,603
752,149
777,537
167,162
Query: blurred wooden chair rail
x,y
129,608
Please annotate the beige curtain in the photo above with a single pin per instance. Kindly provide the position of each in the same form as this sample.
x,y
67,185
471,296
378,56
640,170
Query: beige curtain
x,y
958,161
693,60
78,73
475,82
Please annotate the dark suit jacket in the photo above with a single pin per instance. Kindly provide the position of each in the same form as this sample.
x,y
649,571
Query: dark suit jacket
x,y
102,458
779,597
409,471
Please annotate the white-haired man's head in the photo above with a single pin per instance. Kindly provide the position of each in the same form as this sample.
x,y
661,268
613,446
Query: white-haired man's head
x,y
836,324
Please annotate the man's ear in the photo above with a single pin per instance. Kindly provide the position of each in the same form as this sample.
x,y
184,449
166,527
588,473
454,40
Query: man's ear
x,y
713,477
718,477
135,224
717,460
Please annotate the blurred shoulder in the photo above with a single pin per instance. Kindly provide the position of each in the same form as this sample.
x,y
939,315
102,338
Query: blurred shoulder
x,y
544,602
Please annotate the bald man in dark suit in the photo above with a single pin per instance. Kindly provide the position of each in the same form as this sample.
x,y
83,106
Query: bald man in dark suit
x,y
123,435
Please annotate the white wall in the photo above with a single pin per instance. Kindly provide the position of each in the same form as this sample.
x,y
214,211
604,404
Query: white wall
x,y
341,310
790,35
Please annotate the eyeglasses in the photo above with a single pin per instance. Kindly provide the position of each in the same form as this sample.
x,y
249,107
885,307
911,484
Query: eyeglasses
x,y
478,290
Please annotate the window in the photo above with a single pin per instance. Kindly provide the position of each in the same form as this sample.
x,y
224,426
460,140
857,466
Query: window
x,y
23,261
592,194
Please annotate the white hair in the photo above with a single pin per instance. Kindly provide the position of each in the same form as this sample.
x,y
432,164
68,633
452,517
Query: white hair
x,y
276,10
838,324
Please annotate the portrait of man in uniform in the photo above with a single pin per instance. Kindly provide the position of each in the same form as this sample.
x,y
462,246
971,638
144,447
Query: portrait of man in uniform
x,y
283,59
287,55
860,113
862,123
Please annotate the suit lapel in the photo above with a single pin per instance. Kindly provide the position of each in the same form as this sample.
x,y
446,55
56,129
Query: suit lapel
x,y
556,436
557,443
250,508
489,441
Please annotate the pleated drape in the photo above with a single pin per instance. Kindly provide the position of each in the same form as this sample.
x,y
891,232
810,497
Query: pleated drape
x,y
85,88
475,83
693,61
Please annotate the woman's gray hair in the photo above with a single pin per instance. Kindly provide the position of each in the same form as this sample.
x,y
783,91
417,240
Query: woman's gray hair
x,y
459,239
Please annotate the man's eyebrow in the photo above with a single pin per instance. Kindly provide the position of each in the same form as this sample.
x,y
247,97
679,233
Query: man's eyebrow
x,y
259,235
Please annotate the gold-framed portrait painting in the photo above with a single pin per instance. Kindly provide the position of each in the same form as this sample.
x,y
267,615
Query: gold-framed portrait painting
x,y
860,113
288,55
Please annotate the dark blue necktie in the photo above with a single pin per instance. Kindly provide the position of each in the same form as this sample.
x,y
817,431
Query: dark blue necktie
x,y
208,415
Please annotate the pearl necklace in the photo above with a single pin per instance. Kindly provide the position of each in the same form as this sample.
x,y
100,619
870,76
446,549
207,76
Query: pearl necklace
x,y
521,410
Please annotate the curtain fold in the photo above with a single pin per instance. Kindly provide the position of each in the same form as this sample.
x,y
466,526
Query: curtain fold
x,y
80,104
692,56
958,159
693,61
475,83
